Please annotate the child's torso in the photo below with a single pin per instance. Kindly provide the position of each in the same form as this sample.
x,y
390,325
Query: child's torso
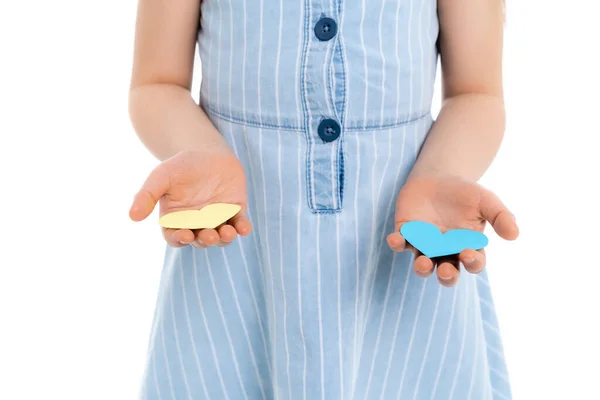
x,y
290,64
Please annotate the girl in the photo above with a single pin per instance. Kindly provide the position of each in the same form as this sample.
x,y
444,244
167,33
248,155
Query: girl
x,y
315,118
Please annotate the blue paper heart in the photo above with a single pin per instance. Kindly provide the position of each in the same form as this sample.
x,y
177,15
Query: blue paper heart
x,y
430,241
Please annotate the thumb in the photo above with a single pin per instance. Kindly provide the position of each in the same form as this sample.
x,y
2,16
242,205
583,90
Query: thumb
x,y
496,213
155,186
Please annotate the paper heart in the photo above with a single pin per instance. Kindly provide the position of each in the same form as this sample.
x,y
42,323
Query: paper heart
x,y
429,240
209,216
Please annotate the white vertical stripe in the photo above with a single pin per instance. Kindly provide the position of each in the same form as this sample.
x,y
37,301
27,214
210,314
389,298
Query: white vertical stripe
x,y
269,265
398,80
356,190
450,321
412,337
224,320
245,49
162,334
358,346
231,40
410,63
219,46
356,248
206,327
176,335
300,168
209,68
239,310
462,342
398,63
432,47
153,361
265,209
382,55
280,224
319,310
395,334
421,57
385,168
361,28
334,161
299,267
190,331
370,267
428,345
300,197
339,280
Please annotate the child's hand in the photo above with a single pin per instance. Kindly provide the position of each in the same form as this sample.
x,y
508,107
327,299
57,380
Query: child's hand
x,y
450,202
191,180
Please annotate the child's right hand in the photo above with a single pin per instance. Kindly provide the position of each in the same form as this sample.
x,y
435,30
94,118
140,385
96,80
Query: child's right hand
x,y
191,180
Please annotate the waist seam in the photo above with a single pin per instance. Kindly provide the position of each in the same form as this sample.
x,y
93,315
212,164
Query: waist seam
x,y
292,124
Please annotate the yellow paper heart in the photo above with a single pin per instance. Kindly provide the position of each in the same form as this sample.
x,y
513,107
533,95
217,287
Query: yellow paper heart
x,y
209,216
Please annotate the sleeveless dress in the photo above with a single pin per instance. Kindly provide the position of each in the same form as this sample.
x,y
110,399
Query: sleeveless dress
x,y
327,103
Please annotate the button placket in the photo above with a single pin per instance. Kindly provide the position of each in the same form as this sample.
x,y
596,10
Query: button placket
x,y
323,129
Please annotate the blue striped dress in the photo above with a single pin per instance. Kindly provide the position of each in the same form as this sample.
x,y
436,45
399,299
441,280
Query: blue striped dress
x,y
327,103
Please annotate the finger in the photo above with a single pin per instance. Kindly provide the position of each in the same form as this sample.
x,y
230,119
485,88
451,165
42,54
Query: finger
x,y
448,270
423,266
208,237
473,261
241,223
398,244
501,219
155,186
178,237
506,226
227,234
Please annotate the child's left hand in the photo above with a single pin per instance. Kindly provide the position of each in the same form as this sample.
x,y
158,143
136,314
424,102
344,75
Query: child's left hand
x,y
450,202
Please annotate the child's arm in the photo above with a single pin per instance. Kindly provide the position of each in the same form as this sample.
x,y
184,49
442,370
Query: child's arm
x,y
469,129
163,113
177,131
463,141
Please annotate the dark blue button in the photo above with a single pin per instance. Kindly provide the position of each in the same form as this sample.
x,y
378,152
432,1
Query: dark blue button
x,y
329,130
325,29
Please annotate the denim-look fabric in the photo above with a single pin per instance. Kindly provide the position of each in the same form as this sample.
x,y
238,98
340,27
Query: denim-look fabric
x,y
313,304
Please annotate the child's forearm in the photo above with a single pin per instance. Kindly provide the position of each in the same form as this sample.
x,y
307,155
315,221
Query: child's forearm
x,y
167,120
465,137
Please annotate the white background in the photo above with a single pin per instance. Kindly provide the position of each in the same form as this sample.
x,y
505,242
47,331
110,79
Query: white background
x,y
78,280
